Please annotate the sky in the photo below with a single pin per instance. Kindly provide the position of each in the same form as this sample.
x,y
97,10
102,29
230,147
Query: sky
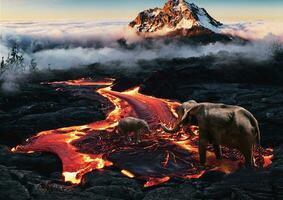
x,y
223,10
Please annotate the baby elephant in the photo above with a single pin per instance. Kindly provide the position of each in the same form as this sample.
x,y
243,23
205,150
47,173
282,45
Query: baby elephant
x,y
131,124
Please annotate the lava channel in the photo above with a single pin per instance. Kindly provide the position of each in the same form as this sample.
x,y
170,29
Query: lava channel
x,y
157,159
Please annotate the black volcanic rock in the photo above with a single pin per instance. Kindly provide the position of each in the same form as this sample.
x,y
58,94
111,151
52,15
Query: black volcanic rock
x,y
256,86
38,107
36,161
13,190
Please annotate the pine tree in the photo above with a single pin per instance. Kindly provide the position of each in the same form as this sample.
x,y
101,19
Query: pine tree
x,y
33,65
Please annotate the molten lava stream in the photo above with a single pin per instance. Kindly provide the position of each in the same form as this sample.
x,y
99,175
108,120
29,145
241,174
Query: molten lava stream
x,y
59,141
89,147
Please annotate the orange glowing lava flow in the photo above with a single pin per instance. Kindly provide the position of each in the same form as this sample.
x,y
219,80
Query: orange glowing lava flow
x,y
156,181
59,141
127,173
84,82
129,103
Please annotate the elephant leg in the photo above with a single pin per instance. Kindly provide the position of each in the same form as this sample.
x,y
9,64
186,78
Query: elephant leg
x,y
137,136
217,151
129,136
202,150
126,136
247,151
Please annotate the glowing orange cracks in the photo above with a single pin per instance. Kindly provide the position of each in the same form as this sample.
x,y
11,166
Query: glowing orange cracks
x,y
129,103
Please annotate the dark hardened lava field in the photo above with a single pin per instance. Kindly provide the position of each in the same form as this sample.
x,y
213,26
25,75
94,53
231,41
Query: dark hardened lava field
x,y
38,107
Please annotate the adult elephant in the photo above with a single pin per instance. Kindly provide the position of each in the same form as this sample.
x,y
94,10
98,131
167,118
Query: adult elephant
x,y
221,124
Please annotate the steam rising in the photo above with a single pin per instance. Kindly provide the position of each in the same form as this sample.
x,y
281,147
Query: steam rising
x,y
69,44
60,45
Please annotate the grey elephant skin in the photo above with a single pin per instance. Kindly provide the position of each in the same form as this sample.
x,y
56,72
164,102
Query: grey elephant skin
x,y
132,124
221,124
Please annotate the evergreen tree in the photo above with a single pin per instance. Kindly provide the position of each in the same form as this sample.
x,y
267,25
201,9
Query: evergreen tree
x,y
14,61
33,65
2,67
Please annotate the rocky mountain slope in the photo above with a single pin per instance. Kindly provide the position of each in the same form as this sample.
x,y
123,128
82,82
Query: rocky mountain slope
x,y
177,18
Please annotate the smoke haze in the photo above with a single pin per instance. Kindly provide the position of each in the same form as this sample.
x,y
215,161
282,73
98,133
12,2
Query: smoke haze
x,y
69,44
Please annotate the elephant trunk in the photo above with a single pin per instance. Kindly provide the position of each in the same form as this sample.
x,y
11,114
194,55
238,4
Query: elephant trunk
x,y
147,130
173,130
177,127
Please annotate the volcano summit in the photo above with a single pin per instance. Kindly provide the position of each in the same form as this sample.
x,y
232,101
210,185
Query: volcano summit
x,y
176,18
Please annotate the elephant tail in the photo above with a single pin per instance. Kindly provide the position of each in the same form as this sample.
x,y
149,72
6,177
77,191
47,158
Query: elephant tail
x,y
255,125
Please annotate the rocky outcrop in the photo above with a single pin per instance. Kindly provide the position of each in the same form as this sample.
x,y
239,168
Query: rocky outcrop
x,y
176,18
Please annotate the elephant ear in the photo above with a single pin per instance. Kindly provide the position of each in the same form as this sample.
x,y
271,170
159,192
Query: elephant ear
x,y
187,112
192,101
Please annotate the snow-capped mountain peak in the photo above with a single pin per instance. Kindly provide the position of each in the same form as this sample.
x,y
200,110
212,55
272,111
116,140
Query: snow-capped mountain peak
x,y
175,16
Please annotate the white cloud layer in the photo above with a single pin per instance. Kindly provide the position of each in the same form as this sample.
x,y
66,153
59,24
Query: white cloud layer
x,y
256,30
69,44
